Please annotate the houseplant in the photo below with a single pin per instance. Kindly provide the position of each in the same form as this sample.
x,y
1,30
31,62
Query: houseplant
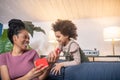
x,y
5,44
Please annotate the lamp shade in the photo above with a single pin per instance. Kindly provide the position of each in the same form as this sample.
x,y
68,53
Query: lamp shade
x,y
112,33
51,37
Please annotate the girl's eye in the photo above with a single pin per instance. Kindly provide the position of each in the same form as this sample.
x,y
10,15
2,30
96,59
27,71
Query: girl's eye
x,y
58,36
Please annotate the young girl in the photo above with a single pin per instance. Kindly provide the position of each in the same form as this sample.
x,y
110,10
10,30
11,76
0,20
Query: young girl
x,y
65,32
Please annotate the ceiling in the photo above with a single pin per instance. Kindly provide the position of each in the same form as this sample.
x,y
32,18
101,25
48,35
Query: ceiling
x,y
47,10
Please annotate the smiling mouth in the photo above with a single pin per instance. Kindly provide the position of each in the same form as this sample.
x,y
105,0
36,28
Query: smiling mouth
x,y
26,44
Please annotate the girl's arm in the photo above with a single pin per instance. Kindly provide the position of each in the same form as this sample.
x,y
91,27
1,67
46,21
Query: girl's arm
x,y
74,50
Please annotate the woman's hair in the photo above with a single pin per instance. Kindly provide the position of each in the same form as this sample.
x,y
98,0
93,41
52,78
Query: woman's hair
x,y
15,26
66,27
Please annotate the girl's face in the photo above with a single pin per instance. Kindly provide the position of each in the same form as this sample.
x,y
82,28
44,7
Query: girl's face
x,y
62,39
21,40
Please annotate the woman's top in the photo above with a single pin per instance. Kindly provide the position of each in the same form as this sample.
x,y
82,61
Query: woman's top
x,y
18,66
71,49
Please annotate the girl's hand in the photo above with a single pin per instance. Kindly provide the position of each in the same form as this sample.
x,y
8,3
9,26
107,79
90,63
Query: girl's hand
x,y
56,69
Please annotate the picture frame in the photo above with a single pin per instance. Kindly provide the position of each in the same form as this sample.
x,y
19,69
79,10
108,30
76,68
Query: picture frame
x,y
1,27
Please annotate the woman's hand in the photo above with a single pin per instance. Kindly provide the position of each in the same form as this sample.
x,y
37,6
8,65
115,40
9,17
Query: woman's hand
x,y
56,69
52,57
35,72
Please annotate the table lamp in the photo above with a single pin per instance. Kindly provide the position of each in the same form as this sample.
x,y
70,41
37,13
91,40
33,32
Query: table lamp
x,y
51,38
112,34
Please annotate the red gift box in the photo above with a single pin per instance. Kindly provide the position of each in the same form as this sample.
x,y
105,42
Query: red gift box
x,y
42,61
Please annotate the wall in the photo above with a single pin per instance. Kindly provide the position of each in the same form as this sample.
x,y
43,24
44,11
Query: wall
x,y
90,35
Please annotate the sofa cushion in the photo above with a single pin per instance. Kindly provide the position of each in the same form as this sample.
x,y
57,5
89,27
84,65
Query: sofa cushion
x,y
93,71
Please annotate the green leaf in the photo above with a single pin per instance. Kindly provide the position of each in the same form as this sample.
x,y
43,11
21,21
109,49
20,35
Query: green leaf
x,y
31,28
38,29
5,44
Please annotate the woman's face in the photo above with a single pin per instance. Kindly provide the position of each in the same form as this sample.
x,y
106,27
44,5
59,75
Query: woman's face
x,y
21,40
62,39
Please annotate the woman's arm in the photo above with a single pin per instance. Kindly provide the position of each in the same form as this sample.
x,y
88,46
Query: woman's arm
x,y
34,73
44,75
4,72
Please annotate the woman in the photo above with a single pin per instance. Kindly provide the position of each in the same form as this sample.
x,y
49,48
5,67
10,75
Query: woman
x,y
18,64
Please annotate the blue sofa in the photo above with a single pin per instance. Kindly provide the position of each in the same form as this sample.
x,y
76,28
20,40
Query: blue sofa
x,y
90,71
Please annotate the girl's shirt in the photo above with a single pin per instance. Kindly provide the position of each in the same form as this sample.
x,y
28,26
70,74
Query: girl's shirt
x,y
18,66
73,52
